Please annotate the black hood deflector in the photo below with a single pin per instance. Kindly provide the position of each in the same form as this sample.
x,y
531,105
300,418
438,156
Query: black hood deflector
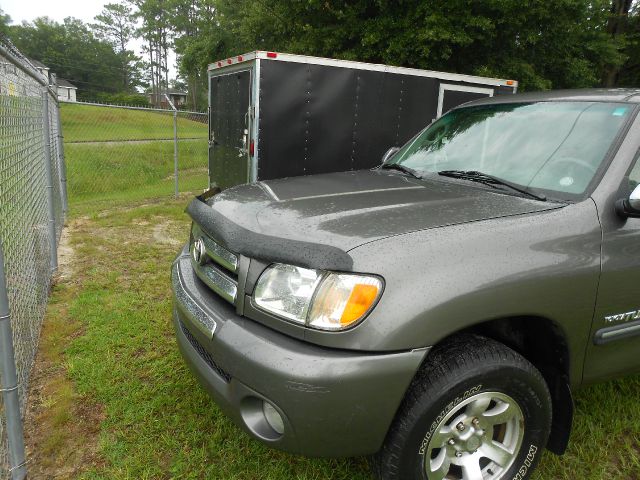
x,y
266,247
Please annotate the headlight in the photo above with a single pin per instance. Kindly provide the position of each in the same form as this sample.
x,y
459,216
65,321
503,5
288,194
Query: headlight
x,y
286,291
323,300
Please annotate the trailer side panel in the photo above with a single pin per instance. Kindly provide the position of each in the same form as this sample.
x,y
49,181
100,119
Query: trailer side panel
x,y
318,118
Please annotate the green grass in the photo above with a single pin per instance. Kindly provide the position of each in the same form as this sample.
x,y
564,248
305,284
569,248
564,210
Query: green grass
x,y
156,421
103,168
88,123
132,171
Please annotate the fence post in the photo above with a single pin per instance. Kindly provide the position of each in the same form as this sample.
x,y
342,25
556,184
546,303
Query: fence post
x,y
53,247
175,141
175,149
63,165
10,394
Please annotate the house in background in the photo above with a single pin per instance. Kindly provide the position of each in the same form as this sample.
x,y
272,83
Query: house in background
x,y
66,90
178,98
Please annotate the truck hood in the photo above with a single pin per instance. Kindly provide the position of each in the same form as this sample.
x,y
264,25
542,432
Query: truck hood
x,y
346,210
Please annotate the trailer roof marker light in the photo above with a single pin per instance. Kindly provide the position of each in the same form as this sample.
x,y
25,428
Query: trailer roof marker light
x,y
219,64
239,58
510,82
272,55
229,61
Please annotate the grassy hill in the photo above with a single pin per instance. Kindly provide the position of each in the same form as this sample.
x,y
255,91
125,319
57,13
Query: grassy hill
x,y
88,123
120,155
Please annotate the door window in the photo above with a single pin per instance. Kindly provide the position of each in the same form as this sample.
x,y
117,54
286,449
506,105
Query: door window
x,y
555,146
634,176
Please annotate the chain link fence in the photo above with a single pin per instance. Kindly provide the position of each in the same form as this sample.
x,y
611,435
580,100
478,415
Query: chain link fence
x,y
32,210
108,153
123,154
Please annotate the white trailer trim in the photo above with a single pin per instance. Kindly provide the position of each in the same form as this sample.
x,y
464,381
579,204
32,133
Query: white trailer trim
x,y
446,87
253,168
289,57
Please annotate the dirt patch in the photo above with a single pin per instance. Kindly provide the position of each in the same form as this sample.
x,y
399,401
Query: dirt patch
x,y
65,256
61,427
164,234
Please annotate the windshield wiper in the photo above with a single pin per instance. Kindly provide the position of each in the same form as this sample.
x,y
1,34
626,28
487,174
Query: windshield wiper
x,y
490,180
402,168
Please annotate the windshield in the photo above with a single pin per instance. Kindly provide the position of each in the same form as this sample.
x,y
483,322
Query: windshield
x,y
551,146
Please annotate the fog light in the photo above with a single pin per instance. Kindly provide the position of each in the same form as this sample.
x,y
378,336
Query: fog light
x,y
274,419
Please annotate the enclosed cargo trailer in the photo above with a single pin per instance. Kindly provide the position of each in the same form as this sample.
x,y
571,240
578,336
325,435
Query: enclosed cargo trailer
x,y
274,115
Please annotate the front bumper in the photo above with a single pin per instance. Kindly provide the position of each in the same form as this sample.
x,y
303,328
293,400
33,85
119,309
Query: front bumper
x,y
333,402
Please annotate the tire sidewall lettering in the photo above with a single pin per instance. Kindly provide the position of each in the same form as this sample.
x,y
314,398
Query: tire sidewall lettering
x,y
450,406
526,464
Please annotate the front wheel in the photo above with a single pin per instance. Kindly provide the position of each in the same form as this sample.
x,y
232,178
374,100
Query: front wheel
x,y
477,410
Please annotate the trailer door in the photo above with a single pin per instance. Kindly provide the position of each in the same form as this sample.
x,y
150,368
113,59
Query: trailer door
x,y
229,124
451,96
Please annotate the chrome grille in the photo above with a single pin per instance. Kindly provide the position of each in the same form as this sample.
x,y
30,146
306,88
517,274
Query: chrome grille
x,y
214,265
219,254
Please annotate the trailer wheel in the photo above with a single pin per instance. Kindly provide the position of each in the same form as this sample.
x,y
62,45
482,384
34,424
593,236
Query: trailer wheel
x,y
477,410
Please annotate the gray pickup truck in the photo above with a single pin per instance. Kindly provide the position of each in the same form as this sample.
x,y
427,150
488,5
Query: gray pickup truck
x,y
435,312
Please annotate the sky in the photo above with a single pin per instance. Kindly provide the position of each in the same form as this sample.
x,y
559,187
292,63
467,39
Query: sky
x,y
85,10
20,10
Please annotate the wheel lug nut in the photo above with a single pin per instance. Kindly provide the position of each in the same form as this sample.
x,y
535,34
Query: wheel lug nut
x,y
475,422
451,441
460,426
458,454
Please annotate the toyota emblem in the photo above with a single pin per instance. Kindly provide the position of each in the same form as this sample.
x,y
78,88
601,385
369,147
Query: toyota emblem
x,y
198,251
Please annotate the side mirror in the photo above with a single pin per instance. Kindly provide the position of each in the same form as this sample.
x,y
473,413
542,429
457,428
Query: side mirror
x,y
630,207
389,153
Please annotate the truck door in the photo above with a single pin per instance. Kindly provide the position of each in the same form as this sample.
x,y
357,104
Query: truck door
x,y
451,96
229,129
616,324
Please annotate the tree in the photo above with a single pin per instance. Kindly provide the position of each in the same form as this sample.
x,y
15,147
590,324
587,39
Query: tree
x,y
628,74
616,29
561,44
5,21
195,25
157,32
116,24
72,51
542,44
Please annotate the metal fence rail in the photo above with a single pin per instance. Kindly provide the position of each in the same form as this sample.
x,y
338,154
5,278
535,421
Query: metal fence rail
x,y
125,153
32,209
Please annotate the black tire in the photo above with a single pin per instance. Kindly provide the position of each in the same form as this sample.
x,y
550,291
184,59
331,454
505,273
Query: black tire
x,y
455,371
